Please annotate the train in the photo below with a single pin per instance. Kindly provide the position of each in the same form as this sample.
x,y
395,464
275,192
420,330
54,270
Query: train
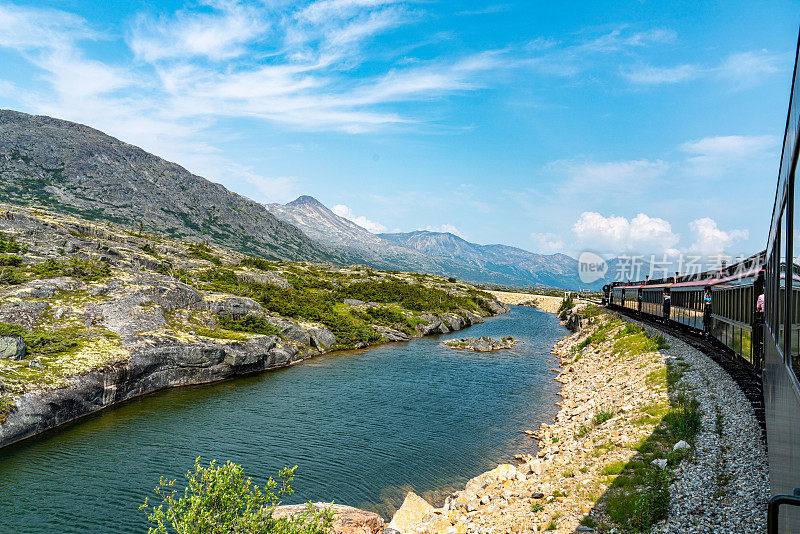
x,y
750,310
724,305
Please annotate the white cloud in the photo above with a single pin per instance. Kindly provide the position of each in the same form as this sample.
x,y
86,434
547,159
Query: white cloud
x,y
547,243
343,211
714,155
710,240
614,234
445,228
747,68
602,176
221,34
649,75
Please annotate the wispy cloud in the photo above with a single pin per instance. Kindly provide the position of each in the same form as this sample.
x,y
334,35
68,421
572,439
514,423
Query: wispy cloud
x,y
648,74
713,156
223,32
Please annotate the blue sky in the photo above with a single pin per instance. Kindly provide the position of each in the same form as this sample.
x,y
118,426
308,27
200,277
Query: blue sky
x,y
612,126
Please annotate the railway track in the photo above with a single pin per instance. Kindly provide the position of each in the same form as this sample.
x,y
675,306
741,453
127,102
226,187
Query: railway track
x,y
747,378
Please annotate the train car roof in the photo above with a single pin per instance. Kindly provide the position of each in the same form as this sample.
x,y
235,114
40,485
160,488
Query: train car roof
x,y
746,274
696,283
658,286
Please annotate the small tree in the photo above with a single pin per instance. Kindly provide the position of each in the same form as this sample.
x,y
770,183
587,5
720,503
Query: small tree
x,y
221,500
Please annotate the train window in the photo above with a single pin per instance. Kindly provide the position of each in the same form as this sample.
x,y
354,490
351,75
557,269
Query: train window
x,y
783,277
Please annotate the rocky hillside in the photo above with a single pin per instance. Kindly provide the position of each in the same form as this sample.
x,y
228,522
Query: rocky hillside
x,y
75,169
93,314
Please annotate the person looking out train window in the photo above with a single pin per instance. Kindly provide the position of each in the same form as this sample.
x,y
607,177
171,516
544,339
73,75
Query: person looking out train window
x,y
707,311
667,303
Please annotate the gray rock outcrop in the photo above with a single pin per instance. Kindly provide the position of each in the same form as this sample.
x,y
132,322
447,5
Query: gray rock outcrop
x,y
148,370
12,347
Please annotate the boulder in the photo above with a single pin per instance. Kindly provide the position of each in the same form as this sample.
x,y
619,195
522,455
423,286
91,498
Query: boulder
x,y
290,330
391,334
322,338
411,512
454,321
497,307
348,520
12,347
234,307
268,277
661,463
680,446
432,325
249,352
354,302
470,318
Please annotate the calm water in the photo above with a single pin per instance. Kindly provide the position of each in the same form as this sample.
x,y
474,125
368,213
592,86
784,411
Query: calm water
x,y
363,426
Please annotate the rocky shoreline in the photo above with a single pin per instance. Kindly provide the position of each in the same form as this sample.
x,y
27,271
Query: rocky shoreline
x,y
616,435
155,368
111,314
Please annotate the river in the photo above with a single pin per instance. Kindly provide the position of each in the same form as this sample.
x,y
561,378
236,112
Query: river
x,y
363,427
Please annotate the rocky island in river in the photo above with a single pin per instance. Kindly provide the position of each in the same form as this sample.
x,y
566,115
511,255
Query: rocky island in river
x,y
482,344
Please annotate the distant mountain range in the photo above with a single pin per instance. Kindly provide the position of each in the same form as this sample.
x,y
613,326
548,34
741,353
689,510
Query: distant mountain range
x,y
73,168
431,252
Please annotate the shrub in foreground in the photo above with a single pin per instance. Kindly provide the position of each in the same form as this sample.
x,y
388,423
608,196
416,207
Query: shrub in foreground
x,y
221,500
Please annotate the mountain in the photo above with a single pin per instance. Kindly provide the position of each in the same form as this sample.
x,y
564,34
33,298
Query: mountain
x,y
430,252
557,270
72,168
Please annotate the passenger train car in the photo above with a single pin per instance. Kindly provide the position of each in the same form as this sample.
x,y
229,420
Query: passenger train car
x,y
753,314
730,318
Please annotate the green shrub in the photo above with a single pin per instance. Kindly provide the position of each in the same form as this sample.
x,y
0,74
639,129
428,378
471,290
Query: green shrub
x,y
221,500
10,260
249,323
202,251
601,417
414,297
9,244
89,271
259,263
39,342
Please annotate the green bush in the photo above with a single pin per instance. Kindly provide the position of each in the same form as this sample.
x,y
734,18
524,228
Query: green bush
x,y
9,244
202,251
601,417
221,500
259,263
39,342
249,323
10,260
89,271
414,297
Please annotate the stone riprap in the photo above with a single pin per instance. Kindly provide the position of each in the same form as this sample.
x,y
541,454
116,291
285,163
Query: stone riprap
x,y
611,429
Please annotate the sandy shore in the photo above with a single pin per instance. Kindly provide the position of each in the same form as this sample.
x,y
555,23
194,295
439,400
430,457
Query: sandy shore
x,y
543,302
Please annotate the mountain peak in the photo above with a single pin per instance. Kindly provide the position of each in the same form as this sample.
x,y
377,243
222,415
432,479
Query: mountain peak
x,y
305,200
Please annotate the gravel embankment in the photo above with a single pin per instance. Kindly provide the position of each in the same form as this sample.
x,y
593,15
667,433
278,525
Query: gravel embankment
x,y
724,486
